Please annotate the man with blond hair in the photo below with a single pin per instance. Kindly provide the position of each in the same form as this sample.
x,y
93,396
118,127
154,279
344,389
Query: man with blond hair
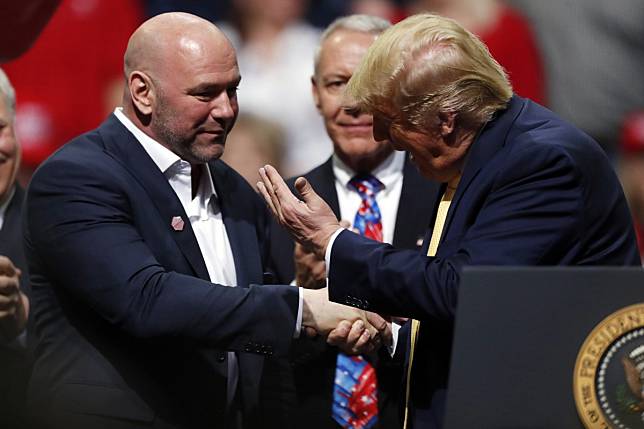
x,y
345,180
520,187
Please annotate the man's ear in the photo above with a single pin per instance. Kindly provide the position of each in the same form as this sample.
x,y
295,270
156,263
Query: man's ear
x,y
447,123
142,91
315,90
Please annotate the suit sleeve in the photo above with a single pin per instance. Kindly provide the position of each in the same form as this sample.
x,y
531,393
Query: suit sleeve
x,y
84,240
532,209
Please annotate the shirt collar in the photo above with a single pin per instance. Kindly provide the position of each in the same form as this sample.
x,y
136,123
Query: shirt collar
x,y
168,162
163,157
5,205
388,172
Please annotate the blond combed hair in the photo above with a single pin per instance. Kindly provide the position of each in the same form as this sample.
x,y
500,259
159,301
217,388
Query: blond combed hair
x,y
425,65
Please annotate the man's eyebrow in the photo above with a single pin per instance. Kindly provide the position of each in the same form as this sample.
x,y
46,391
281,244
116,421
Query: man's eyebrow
x,y
209,86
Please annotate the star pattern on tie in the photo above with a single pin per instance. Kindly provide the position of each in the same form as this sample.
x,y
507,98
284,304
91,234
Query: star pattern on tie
x,y
355,397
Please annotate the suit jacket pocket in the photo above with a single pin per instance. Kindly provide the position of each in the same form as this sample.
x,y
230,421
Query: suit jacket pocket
x,y
102,400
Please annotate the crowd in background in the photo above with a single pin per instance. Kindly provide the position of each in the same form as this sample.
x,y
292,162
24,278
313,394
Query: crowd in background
x,y
581,58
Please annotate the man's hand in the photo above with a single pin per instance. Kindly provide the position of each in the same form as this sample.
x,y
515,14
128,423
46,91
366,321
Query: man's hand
x,y
310,221
310,271
14,305
323,316
349,338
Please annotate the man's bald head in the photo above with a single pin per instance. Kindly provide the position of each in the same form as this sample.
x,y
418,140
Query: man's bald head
x,y
168,34
181,84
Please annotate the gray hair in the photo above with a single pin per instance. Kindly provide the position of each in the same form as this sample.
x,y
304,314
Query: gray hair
x,y
7,91
358,23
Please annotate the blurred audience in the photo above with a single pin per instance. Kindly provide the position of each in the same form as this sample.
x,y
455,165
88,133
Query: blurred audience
x,y
506,33
72,75
253,143
274,47
207,9
386,9
594,56
632,170
15,360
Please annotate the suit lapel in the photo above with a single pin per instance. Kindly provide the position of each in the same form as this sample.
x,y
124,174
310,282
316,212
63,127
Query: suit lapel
x,y
488,143
121,145
323,181
232,212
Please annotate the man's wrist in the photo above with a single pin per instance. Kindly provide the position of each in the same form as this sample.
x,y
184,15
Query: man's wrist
x,y
322,243
327,251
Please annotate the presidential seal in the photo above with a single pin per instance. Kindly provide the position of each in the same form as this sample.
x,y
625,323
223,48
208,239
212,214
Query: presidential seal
x,y
608,382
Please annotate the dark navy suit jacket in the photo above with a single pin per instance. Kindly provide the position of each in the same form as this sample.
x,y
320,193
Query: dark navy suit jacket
x,y
314,364
534,191
131,332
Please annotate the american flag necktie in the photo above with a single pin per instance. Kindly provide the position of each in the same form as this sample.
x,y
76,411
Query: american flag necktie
x,y
355,398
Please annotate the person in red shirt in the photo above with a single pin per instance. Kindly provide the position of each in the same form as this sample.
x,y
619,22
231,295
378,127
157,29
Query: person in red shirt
x,y
507,35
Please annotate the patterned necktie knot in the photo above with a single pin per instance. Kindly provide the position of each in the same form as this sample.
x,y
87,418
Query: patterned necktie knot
x,y
366,185
367,220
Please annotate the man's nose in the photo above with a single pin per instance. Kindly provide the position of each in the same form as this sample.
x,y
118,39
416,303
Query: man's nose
x,y
223,106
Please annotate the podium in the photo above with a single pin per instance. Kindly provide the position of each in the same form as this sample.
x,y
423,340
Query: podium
x,y
528,341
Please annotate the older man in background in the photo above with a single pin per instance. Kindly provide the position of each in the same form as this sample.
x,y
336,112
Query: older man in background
x,y
15,361
373,188
520,187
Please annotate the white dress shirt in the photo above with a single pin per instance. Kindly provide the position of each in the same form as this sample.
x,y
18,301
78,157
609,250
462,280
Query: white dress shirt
x,y
205,218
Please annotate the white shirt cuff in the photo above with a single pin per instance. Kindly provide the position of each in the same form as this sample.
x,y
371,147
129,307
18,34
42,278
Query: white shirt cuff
x,y
327,252
395,328
298,322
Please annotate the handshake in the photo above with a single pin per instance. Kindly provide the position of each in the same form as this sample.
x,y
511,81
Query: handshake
x,y
311,223
354,331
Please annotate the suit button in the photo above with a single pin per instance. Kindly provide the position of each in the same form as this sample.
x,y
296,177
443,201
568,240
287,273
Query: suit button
x,y
221,357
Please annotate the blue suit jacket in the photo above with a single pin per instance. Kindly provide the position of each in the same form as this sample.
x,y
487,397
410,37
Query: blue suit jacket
x,y
130,329
534,191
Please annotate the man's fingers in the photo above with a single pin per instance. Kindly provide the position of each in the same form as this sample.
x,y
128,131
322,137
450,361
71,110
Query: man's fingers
x,y
268,200
310,332
381,326
8,303
357,330
279,187
306,190
267,190
339,335
9,285
6,266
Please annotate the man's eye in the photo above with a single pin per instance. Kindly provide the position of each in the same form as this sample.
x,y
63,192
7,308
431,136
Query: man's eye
x,y
336,84
232,92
